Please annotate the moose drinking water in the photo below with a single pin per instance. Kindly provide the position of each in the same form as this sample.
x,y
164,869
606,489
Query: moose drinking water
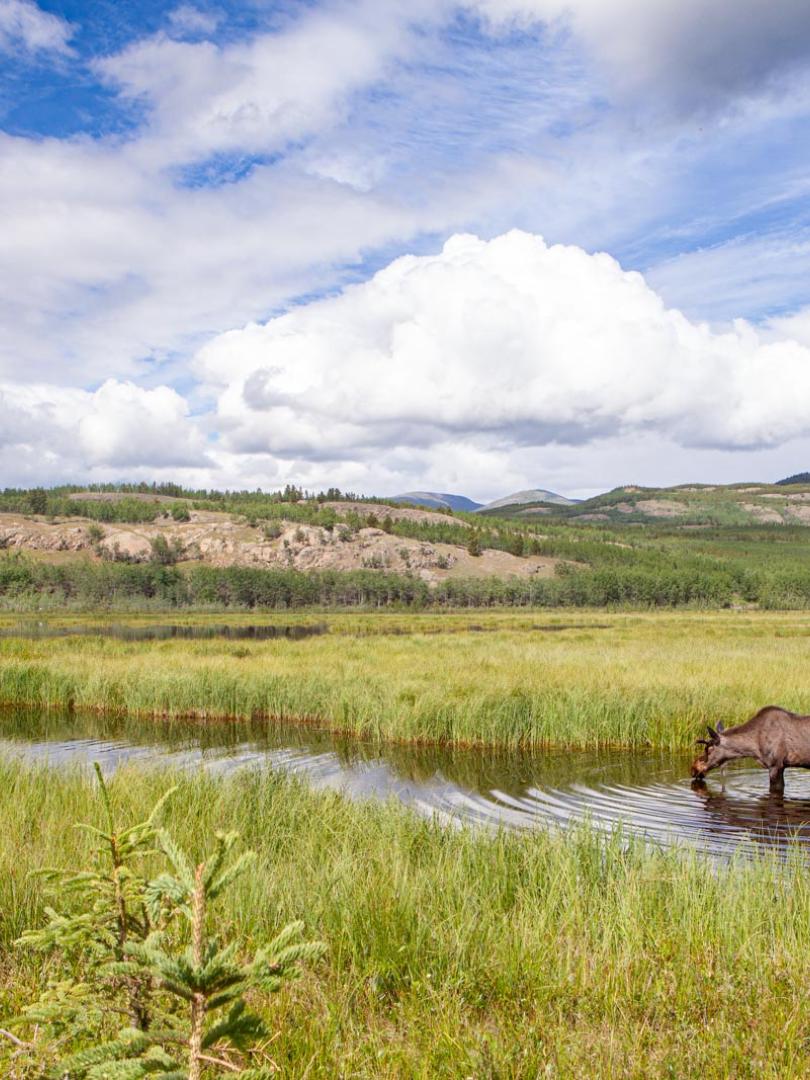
x,y
776,738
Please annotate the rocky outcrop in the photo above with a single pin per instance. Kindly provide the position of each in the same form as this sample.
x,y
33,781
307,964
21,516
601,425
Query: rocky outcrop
x,y
217,540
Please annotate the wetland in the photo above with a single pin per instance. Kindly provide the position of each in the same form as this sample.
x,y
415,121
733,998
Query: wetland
x,y
644,793
488,820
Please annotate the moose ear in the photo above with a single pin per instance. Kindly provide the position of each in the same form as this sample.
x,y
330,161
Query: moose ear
x,y
714,736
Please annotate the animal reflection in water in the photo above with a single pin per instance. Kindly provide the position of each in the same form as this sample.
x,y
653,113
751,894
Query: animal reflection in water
x,y
769,818
776,738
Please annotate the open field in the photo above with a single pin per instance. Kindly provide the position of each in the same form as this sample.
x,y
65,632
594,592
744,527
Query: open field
x,y
454,954
488,678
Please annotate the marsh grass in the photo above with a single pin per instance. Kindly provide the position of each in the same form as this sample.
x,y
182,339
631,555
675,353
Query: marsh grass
x,y
453,953
635,680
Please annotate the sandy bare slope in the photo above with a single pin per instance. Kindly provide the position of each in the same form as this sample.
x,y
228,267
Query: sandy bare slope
x,y
218,540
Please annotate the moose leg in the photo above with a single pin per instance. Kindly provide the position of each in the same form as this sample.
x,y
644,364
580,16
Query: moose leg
x,y
776,774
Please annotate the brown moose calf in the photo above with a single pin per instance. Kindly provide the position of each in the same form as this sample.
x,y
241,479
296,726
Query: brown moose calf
x,y
776,738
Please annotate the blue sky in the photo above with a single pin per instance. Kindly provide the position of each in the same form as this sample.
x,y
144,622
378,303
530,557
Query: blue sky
x,y
198,197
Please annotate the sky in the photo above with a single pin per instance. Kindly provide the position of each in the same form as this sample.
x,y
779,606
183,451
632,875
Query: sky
x,y
390,245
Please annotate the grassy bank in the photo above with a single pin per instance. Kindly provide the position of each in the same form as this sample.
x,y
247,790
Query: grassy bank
x,y
454,954
632,680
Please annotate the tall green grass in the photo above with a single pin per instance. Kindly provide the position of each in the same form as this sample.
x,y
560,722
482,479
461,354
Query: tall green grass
x,y
458,954
649,680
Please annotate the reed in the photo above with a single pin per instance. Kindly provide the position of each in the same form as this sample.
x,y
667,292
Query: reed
x,y
453,953
629,680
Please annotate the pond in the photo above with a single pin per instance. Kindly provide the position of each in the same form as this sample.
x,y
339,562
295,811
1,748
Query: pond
x,y
147,632
33,630
650,793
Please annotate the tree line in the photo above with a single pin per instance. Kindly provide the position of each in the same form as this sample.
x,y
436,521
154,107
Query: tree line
x,y
26,583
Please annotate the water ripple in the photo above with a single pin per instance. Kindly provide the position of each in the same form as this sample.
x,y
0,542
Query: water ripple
x,y
647,794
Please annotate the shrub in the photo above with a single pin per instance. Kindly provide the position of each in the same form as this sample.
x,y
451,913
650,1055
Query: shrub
x,y
374,562
165,553
180,512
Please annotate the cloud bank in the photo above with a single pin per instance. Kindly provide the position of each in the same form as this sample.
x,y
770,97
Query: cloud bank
x,y
695,54
261,168
56,432
233,171
510,342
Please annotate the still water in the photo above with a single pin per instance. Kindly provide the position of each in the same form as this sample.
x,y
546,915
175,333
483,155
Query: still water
x,y
148,632
649,793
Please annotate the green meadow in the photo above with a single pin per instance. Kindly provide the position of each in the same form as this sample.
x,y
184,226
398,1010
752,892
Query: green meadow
x,y
454,953
497,679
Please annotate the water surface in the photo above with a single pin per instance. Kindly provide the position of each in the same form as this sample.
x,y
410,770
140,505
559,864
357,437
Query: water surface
x,y
650,793
149,632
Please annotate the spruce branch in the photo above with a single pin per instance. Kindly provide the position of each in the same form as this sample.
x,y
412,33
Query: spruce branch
x,y
147,952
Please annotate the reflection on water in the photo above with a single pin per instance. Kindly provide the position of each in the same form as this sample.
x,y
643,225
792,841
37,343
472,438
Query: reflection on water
x,y
649,792
163,633
264,632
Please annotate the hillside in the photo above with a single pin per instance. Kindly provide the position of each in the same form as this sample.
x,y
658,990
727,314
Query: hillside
x,y
700,545
435,500
221,540
526,500
688,505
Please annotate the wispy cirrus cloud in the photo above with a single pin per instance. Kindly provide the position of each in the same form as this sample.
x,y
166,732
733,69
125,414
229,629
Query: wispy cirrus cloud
x,y
684,54
24,25
187,20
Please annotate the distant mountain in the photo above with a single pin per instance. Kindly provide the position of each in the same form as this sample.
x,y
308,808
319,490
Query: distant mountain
x,y
797,478
534,495
434,500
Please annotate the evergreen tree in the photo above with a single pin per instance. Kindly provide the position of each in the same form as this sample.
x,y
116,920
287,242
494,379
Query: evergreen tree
x,y
148,953
517,544
38,500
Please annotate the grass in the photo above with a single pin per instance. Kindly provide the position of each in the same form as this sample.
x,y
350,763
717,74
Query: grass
x,y
455,954
624,680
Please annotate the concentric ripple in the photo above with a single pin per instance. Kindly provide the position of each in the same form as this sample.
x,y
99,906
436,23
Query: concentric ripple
x,y
643,793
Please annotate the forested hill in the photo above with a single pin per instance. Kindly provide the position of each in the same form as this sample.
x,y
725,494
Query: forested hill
x,y
743,545
689,505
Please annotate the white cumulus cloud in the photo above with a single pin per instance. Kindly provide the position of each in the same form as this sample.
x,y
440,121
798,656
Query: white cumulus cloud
x,y
59,431
509,343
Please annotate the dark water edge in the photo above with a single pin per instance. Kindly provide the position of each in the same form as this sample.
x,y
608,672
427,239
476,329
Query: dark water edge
x,y
38,629
126,632
648,793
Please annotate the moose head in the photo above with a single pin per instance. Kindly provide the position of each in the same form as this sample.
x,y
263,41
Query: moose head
x,y
713,755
